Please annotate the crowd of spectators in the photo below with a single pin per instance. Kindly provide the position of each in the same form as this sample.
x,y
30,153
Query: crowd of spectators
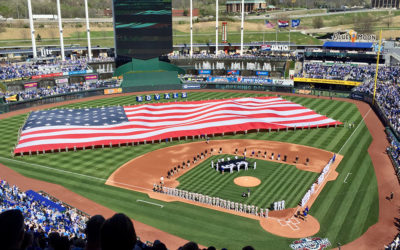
x,y
28,224
351,72
387,97
33,93
249,55
394,151
41,220
28,69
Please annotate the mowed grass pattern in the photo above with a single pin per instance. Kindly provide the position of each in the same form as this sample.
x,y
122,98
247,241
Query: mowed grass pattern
x,y
278,182
345,211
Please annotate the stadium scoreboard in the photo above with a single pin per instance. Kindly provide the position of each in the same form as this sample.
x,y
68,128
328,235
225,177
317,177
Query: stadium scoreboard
x,y
143,29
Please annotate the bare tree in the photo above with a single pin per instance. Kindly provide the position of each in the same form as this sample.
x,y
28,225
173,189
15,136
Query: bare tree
x,y
25,33
318,22
364,24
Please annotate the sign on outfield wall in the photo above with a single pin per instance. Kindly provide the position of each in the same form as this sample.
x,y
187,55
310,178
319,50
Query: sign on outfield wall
x,y
232,72
283,82
113,91
47,75
262,73
61,80
157,97
327,81
191,86
204,72
91,77
277,47
30,85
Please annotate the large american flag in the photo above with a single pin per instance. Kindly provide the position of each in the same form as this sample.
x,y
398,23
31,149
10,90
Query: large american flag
x,y
69,128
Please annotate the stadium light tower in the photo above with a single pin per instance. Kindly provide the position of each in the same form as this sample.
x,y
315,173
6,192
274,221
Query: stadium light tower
x,y
61,30
216,28
241,30
88,30
32,29
191,28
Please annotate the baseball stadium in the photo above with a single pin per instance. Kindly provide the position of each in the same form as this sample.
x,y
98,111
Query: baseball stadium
x,y
155,143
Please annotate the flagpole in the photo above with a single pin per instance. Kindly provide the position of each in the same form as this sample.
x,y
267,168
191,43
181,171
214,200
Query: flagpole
x,y
191,28
289,36
377,66
61,31
216,28
276,36
32,29
241,30
88,30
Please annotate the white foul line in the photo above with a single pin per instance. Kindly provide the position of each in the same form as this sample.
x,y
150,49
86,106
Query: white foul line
x,y
346,177
72,173
148,202
354,130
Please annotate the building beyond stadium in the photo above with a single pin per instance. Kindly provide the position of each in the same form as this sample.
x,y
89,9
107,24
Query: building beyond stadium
x,y
385,3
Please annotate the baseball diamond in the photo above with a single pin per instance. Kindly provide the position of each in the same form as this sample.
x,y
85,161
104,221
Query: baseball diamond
x,y
85,173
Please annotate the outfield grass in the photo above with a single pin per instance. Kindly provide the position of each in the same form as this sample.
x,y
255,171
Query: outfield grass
x,y
279,181
345,210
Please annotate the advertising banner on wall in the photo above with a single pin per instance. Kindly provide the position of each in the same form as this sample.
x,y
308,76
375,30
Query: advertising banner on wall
x,y
191,86
30,85
233,72
221,79
79,72
61,80
283,82
253,80
112,91
262,73
327,81
204,72
47,75
90,77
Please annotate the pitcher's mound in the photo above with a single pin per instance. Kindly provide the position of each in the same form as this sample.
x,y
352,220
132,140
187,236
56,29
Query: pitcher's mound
x,y
247,181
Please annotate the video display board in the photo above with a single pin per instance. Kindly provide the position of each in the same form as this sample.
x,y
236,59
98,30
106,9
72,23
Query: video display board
x,y
143,29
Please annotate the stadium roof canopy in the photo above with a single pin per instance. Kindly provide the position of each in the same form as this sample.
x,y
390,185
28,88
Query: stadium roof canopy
x,y
348,45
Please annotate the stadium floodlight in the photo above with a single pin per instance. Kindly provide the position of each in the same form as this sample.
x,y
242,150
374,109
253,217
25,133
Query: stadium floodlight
x,y
241,30
32,29
88,30
191,28
216,28
61,30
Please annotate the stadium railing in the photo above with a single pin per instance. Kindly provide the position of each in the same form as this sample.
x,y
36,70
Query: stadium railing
x,y
63,203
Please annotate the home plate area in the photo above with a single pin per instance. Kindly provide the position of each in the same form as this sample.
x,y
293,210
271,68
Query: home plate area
x,y
292,223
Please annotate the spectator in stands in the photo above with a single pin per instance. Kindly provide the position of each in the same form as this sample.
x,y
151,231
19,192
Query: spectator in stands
x,y
92,232
118,232
11,229
350,72
248,248
158,245
190,246
57,90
